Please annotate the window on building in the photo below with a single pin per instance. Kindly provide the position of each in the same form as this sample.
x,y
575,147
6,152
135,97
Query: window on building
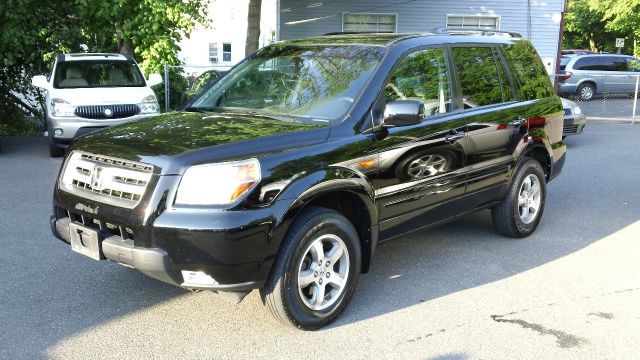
x,y
383,23
480,82
213,53
226,52
463,21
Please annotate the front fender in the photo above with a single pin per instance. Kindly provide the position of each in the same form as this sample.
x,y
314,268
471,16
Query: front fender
x,y
334,180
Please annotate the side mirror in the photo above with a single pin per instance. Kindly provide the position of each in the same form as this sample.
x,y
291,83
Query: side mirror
x,y
403,113
154,79
40,81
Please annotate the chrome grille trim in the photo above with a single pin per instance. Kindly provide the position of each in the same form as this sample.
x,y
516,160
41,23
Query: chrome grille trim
x,y
109,180
117,111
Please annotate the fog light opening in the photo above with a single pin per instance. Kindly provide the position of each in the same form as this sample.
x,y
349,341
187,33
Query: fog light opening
x,y
197,278
58,132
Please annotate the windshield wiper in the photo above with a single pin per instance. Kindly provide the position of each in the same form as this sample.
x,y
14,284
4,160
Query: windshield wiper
x,y
199,109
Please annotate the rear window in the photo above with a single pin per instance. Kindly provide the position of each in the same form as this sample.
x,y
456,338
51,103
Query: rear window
x,y
564,61
528,72
97,73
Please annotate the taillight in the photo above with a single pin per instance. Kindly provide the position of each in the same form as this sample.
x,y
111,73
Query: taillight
x,y
566,75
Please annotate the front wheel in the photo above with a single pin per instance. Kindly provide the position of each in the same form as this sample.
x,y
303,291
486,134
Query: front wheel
x,y
586,92
519,214
316,271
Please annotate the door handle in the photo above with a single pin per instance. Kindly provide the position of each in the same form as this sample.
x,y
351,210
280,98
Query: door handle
x,y
454,136
517,122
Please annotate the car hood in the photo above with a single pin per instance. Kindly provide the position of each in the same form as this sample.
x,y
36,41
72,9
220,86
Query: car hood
x,y
102,95
174,141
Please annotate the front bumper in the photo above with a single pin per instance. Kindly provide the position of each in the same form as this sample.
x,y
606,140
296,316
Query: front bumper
x,y
235,248
73,127
567,88
574,124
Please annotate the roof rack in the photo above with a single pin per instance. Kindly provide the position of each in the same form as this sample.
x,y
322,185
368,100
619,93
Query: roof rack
x,y
479,31
352,33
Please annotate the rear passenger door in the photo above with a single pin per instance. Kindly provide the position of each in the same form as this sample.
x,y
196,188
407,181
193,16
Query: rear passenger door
x,y
495,120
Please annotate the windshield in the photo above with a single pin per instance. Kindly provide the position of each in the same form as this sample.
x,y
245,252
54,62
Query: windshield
x,y
317,82
97,73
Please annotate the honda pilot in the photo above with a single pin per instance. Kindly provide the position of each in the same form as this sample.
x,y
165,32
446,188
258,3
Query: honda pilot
x,y
286,175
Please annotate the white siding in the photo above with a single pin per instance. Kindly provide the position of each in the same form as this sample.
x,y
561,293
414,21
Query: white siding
x,y
424,15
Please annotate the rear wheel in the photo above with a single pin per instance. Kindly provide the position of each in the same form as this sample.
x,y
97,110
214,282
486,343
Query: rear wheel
x,y
519,214
316,271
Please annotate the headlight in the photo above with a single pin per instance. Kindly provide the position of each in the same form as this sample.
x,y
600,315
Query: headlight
x,y
217,184
60,107
149,105
577,110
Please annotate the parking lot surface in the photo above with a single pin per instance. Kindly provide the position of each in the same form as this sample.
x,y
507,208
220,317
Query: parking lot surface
x,y
458,291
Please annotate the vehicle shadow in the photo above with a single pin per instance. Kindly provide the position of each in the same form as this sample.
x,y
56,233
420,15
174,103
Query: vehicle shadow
x,y
589,201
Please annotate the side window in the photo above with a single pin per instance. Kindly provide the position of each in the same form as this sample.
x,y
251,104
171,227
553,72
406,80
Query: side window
x,y
422,76
527,70
633,64
480,83
618,64
597,63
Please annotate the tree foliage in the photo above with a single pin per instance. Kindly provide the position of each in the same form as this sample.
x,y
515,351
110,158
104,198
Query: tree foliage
x,y
595,24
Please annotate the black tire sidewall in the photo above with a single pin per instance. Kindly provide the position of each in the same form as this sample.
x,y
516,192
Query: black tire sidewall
x,y
528,168
301,315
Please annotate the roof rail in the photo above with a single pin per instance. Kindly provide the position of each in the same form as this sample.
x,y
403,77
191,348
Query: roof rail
x,y
479,31
352,33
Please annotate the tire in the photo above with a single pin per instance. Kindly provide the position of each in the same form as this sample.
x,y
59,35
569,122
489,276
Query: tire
x,y
510,217
423,164
586,91
300,259
55,151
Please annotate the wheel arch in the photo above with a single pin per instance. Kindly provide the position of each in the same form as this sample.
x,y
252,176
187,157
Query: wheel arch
x,y
351,196
540,152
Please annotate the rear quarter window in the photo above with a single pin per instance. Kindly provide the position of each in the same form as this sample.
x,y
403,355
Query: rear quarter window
x,y
529,74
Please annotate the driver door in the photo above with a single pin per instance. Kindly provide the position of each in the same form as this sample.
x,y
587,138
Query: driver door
x,y
420,165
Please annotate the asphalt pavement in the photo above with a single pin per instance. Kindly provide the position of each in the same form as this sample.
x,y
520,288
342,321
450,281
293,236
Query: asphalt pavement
x,y
458,291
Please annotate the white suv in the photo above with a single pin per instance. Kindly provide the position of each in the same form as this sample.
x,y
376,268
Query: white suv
x,y
87,92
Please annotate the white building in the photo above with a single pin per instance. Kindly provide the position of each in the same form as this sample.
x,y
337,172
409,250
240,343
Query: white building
x,y
221,44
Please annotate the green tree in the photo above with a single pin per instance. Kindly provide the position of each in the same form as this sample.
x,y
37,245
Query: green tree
x,y
621,16
147,29
589,25
31,33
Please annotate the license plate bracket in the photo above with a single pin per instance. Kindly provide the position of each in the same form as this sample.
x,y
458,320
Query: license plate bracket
x,y
85,241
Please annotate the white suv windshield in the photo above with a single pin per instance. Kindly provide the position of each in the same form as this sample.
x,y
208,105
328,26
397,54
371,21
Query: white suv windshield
x,y
97,73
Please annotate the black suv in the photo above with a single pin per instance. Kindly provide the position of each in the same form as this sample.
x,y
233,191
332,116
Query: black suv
x,y
287,173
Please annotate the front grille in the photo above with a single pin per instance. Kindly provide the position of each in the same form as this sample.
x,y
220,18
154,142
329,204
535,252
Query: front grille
x,y
567,111
106,227
570,129
116,111
106,179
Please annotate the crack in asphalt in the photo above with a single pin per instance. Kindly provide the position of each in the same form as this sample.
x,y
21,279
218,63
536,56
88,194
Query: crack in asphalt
x,y
563,339
603,315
